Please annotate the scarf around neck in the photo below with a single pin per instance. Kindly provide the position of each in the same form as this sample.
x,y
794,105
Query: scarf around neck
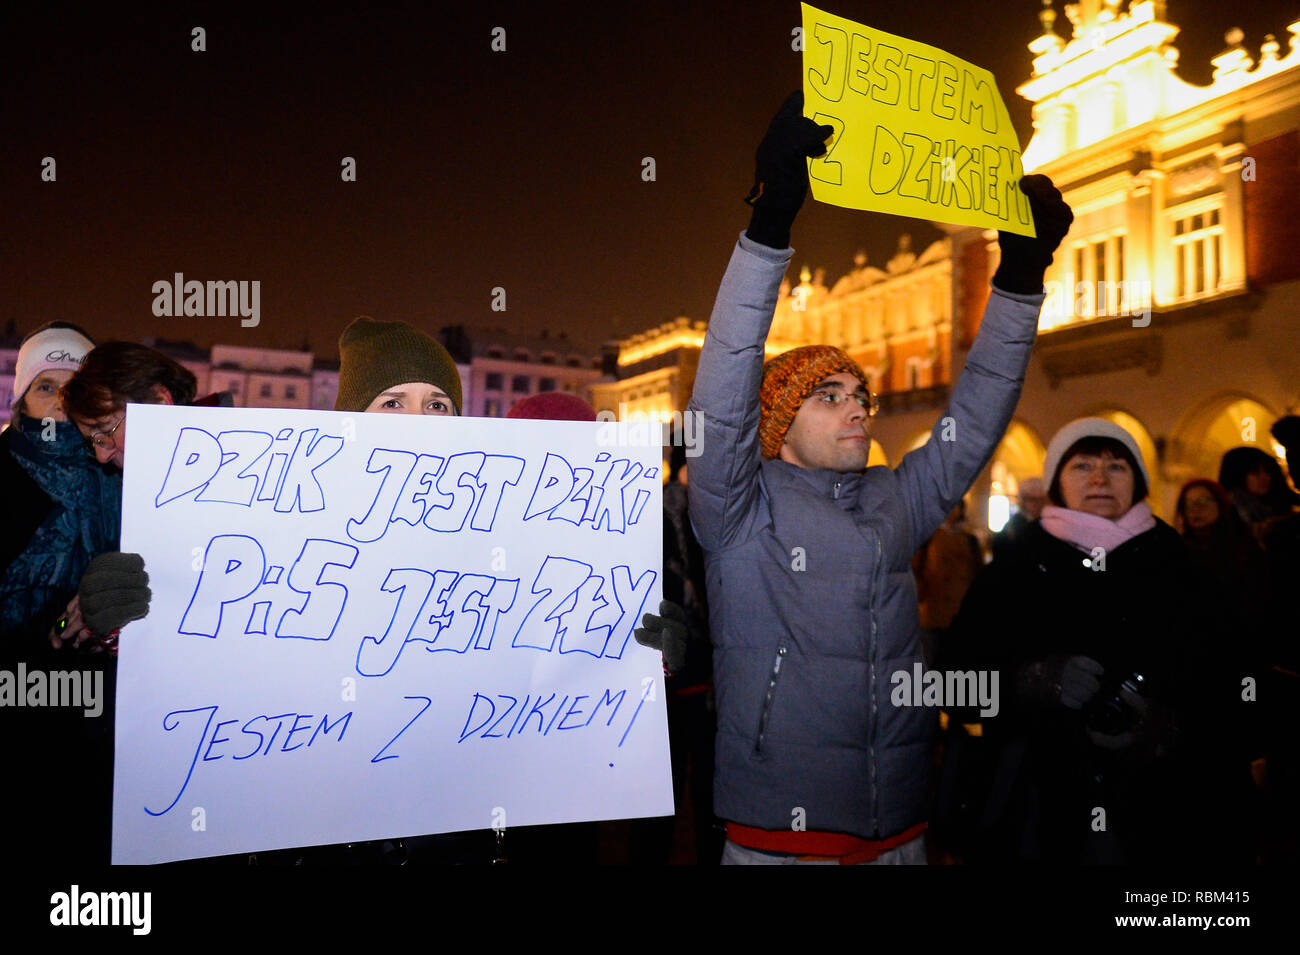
x,y
84,521
1088,531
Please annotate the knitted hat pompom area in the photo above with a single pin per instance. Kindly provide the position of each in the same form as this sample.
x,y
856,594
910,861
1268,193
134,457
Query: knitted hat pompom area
x,y
553,406
788,380
375,355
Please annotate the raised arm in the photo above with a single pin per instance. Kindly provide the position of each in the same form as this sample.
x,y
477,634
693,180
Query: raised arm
x,y
724,477
936,475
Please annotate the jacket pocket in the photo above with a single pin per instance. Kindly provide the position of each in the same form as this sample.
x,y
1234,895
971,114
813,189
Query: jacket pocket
x,y
769,696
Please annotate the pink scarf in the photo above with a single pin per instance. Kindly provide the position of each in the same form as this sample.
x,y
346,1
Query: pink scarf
x,y
1088,531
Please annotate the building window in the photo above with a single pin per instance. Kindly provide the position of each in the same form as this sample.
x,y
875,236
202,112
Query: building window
x,y
264,391
1121,305
492,408
521,384
913,374
1098,278
1198,253
290,391
493,381
546,384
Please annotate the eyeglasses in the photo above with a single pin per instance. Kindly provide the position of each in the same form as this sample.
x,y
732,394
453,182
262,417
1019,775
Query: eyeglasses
x,y
833,399
103,440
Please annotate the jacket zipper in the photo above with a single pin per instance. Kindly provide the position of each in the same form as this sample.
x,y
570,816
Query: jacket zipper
x,y
871,738
767,699
871,685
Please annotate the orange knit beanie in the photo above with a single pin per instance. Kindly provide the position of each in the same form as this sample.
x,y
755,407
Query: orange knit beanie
x,y
788,380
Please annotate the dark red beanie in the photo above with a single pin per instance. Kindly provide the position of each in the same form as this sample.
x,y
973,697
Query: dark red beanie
x,y
553,406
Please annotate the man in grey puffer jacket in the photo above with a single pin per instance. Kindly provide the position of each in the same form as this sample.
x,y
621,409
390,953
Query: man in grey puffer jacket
x,y
808,552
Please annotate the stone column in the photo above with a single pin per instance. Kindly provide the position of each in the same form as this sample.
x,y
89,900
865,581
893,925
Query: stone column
x,y
1232,263
1146,251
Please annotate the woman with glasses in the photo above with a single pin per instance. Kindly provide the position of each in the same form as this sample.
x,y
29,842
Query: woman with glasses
x,y
86,593
1121,731
113,375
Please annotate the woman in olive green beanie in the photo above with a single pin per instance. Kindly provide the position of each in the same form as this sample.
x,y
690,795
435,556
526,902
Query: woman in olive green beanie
x,y
394,368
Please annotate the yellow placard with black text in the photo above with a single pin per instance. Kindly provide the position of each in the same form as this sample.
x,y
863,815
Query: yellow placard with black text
x,y
917,132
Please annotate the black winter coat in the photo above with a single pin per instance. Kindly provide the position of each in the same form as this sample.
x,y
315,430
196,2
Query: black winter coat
x,y
1179,793
55,804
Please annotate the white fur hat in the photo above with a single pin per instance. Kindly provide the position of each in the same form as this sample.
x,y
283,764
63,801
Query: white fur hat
x,y
1088,428
46,349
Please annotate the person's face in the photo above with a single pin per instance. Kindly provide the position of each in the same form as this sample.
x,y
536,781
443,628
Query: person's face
x,y
1031,505
107,435
413,397
1258,482
1200,509
42,398
1098,484
830,428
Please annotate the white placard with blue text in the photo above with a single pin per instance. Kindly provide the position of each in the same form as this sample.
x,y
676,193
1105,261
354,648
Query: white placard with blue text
x,y
368,626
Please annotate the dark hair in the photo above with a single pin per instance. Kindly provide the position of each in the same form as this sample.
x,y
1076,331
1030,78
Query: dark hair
x,y
1287,431
1227,513
676,461
119,372
1239,463
1098,445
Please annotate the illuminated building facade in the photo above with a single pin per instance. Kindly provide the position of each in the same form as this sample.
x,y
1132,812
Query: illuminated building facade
x,y
1173,302
1173,307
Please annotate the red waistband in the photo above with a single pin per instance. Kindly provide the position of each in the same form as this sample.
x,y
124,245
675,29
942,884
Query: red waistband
x,y
840,846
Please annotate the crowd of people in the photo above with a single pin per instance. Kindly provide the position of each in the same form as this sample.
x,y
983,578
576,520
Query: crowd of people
x,y
1148,672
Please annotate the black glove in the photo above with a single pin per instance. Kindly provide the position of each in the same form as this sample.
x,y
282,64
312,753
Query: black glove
x,y
666,633
1153,735
1025,260
781,172
113,591
1069,681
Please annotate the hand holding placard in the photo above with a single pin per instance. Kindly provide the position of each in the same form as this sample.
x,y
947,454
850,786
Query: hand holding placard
x,y
917,131
781,172
1024,259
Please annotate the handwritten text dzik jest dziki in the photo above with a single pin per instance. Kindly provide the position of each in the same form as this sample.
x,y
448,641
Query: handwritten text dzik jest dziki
x,y
241,589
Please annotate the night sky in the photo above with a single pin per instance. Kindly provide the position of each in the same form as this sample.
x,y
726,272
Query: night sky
x,y
475,169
